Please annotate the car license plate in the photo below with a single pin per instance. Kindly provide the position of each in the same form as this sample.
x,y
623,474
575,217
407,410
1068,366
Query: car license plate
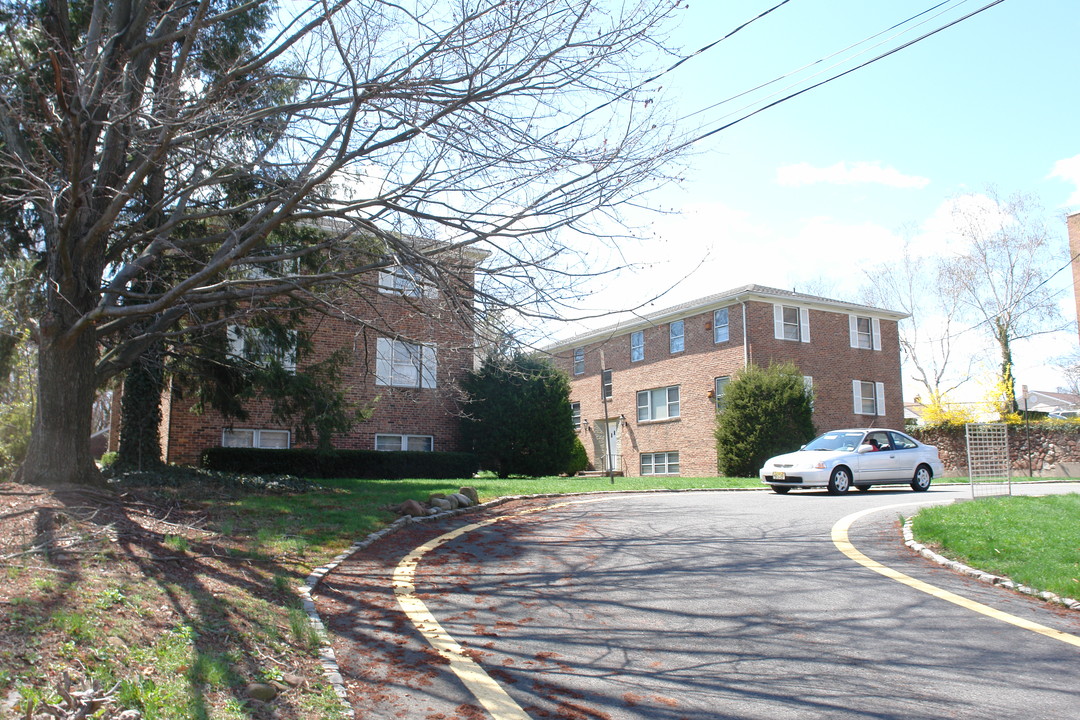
x,y
778,476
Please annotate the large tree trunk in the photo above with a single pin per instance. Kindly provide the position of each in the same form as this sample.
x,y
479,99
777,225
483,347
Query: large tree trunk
x,y
59,452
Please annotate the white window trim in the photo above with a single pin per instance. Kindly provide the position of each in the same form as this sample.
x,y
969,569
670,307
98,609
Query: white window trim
x,y
672,337
240,335
405,280
404,440
575,414
726,326
875,331
717,391
667,463
639,347
778,322
879,398
256,437
651,408
579,361
390,367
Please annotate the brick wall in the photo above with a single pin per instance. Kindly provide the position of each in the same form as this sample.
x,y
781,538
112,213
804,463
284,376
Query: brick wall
x,y
365,315
828,359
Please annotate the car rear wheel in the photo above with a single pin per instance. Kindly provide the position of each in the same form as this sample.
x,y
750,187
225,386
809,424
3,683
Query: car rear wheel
x,y
839,481
921,481
862,488
780,489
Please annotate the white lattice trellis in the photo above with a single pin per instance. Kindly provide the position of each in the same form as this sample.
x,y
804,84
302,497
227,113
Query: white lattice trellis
x,y
989,469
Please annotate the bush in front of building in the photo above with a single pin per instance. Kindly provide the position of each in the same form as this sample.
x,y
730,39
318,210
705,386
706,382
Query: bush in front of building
x,y
518,418
763,412
365,464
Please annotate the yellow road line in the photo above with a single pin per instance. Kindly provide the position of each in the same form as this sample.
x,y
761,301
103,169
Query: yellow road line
x,y
840,539
487,692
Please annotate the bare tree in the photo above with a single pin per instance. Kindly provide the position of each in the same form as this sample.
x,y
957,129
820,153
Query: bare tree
x,y
908,283
154,146
1000,278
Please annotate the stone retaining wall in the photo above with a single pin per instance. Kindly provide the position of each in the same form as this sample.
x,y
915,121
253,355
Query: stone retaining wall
x,y
1038,449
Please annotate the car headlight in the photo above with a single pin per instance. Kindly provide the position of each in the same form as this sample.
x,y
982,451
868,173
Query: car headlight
x,y
819,465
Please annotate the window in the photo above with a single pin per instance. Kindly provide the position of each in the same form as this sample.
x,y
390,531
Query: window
x,y
720,388
675,336
405,280
605,381
637,346
865,332
869,397
402,364
260,347
579,361
720,325
412,443
658,404
575,414
269,439
664,463
791,323
808,385
902,442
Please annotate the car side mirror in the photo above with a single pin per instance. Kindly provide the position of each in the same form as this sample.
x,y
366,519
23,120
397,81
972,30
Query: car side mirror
x,y
865,448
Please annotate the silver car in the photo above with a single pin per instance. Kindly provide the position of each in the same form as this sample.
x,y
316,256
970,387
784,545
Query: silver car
x,y
861,457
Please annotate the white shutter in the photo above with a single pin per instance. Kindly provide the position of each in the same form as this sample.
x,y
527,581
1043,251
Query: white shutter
x,y
804,322
853,330
428,367
879,396
856,392
236,340
778,321
384,353
876,328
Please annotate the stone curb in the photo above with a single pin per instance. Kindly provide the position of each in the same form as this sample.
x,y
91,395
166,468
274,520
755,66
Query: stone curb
x,y
1000,581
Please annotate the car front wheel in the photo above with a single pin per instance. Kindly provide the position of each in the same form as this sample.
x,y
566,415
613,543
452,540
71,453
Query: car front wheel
x,y
921,481
839,481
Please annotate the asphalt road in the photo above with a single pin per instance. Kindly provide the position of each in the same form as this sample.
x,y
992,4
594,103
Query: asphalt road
x,y
707,605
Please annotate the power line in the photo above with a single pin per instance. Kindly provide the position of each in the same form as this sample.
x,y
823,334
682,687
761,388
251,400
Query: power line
x,y
893,51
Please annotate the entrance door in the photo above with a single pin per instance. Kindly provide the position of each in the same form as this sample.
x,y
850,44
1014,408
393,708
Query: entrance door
x,y
606,445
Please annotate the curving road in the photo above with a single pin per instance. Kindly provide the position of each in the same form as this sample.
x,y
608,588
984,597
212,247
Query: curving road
x,y
690,605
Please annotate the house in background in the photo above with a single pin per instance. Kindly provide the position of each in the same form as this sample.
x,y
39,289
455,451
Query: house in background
x,y
410,344
644,392
1054,404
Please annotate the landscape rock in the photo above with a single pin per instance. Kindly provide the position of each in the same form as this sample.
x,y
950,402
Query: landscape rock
x,y
470,492
463,500
261,691
442,503
413,508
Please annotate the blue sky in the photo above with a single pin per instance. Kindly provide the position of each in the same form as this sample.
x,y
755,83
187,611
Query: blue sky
x,y
798,196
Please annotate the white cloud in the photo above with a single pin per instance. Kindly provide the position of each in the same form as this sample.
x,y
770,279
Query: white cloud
x,y
1069,171
845,173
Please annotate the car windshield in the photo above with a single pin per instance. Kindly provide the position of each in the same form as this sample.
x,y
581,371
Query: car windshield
x,y
836,441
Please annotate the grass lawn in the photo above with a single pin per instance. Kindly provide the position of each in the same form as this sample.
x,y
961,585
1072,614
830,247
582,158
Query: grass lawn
x,y
322,523
1031,540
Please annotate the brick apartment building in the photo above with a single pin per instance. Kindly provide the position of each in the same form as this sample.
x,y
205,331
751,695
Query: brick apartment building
x,y
409,345
661,373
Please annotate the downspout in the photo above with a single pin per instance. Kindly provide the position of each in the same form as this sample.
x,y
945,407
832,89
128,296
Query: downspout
x,y
745,338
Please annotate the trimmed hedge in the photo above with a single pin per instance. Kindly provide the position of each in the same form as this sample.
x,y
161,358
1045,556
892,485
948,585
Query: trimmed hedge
x,y
366,464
